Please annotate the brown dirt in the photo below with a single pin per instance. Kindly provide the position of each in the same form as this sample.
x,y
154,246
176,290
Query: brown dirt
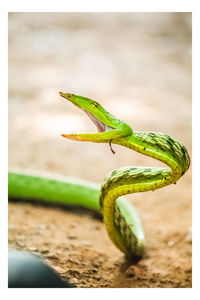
x,y
139,67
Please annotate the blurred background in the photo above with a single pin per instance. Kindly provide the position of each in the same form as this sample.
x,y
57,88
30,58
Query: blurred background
x,y
137,65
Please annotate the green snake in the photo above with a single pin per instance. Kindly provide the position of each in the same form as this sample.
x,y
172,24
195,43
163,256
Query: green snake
x,y
120,217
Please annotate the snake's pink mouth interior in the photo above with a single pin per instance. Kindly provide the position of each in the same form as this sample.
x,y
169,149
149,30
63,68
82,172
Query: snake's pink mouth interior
x,y
101,127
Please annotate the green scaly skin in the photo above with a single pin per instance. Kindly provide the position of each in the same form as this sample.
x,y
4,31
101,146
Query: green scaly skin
x,y
121,220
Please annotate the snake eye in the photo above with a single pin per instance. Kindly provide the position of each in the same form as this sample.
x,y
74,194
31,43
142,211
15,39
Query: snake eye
x,y
95,104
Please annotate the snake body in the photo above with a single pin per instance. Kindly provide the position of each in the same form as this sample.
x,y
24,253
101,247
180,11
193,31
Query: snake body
x,y
120,217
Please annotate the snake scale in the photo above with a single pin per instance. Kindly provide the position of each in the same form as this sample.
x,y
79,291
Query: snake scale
x,y
120,217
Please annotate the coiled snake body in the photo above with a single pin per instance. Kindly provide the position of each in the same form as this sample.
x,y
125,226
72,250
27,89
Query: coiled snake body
x,y
121,220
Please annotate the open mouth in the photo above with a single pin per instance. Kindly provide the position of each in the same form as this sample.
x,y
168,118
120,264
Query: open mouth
x,y
101,127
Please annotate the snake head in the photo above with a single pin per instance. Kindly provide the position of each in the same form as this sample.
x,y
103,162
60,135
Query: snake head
x,y
108,127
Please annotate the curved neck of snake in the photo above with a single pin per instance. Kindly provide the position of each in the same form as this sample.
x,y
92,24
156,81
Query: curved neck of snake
x,y
129,180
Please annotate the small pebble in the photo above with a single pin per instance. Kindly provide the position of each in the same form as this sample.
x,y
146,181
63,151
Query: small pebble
x,y
69,260
188,237
130,272
44,251
32,249
170,243
95,265
20,243
51,255
97,277
86,243
58,269
73,280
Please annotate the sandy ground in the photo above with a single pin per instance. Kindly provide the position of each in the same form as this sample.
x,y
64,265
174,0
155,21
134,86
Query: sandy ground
x,y
138,65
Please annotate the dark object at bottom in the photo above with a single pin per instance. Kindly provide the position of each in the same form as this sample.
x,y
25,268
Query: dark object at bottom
x,y
26,270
